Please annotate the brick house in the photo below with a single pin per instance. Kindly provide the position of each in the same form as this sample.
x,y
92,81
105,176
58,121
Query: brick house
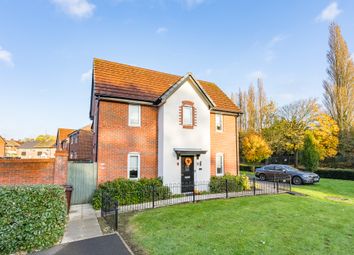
x,y
2,147
152,124
80,144
62,141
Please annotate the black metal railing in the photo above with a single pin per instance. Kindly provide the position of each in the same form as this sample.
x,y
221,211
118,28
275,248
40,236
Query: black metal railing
x,y
170,194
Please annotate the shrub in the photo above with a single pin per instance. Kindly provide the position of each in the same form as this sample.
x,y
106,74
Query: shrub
x,y
310,155
344,174
31,217
235,183
130,192
248,168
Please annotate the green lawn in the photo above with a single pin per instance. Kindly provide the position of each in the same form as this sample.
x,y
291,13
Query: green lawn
x,y
320,223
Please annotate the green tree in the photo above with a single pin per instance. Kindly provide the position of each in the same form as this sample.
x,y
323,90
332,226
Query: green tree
x,y
338,97
310,155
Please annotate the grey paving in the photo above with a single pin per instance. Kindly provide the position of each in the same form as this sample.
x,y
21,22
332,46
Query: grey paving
x,y
107,245
82,224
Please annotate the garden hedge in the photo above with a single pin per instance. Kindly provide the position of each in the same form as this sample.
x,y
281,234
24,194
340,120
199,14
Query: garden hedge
x,y
235,183
344,174
31,217
248,168
130,192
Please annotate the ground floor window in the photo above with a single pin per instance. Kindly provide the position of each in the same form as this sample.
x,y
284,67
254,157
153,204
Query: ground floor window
x,y
219,164
133,165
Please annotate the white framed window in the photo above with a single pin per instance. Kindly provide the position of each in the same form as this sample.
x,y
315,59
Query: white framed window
x,y
219,122
219,164
134,115
187,115
133,165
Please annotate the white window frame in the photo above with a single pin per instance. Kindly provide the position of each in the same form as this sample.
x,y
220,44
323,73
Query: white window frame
x,y
222,164
218,115
128,164
139,115
191,115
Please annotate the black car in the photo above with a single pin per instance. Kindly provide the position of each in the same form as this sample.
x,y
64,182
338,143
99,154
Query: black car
x,y
285,172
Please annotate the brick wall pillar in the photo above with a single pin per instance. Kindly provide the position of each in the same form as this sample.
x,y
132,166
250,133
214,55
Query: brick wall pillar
x,y
60,167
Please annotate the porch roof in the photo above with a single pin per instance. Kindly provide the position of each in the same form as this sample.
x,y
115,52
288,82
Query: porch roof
x,y
188,152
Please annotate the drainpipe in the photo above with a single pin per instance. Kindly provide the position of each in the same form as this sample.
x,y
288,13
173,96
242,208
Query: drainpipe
x,y
237,146
97,122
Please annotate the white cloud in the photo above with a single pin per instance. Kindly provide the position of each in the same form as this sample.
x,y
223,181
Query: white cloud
x,y
329,13
76,8
276,39
85,77
352,57
269,50
161,30
192,3
6,57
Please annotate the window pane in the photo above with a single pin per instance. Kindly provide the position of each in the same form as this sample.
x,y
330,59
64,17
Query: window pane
x,y
219,164
218,122
133,166
134,115
187,115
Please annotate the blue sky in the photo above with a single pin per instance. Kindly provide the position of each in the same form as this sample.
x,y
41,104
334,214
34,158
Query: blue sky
x,y
47,47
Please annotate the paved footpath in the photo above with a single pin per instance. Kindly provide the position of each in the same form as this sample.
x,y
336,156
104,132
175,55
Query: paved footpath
x,y
82,224
106,245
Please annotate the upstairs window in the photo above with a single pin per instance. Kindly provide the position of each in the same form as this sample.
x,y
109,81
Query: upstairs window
x,y
134,115
219,164
133,166
187,116
219,122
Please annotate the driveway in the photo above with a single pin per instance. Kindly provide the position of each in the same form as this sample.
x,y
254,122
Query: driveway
x,y
107,245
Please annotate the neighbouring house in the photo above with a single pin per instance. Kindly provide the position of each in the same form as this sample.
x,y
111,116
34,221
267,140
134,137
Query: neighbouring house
x,y
80,144
2,147
36,150
11,148
153,124
62,141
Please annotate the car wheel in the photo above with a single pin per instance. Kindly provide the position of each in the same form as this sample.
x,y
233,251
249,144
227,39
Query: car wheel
x,y
262,177
297,180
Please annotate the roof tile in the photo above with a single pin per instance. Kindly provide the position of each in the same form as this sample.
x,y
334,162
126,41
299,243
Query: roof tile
x,y
130,82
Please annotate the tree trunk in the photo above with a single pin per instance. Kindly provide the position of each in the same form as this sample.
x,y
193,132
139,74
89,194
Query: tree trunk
x,y
296,158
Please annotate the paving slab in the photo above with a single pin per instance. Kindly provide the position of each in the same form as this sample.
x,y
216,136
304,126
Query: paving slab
x,y
82,224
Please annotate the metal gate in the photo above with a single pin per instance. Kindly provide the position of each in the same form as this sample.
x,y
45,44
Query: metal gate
x,y
83,178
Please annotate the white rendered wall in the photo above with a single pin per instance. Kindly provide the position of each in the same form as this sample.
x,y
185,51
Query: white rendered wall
x,y
172,135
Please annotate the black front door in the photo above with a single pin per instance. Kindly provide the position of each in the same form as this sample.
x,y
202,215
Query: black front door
x,y
187,173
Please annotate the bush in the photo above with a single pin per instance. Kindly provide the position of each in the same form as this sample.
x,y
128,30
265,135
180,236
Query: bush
x,y
130,192
31,217
310,155
344,174
235,183
248,168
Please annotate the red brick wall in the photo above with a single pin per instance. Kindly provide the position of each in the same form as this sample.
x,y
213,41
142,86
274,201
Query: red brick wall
x,y
83,147
116,139
224,142
26,171
34,171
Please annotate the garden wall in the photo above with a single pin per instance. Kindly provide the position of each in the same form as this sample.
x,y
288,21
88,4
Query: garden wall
x,y
34,171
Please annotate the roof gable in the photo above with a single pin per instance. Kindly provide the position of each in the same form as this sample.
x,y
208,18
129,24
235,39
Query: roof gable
x,y
117,80
194,83
63,134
